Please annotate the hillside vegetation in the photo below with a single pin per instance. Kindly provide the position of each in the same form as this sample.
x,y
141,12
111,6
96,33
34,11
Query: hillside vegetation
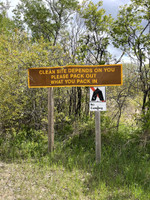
x,y
58,33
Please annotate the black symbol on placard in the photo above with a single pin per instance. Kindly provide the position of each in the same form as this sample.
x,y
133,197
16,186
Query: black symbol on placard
x,y
97,93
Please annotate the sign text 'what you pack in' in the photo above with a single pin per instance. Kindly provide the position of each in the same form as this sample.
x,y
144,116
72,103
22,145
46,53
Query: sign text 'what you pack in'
x,y
75,75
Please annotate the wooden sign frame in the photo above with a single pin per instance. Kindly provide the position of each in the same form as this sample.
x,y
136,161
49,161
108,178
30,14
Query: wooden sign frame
x,y
75,76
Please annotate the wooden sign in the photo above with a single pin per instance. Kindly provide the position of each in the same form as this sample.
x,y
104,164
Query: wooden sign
x,y
75,76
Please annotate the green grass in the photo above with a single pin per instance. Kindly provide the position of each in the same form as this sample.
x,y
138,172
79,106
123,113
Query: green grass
x,y
71,172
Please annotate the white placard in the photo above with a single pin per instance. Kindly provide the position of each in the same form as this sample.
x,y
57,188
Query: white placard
x,y
97,99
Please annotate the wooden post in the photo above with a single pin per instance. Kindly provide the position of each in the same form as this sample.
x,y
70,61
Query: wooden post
x,y
50,120
97,137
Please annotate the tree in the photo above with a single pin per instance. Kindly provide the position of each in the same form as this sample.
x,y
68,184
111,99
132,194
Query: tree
x,y
45,17
6,24
21,107
131,33
96,37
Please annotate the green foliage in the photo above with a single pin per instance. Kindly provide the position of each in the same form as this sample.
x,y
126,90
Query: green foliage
x,y
95,40
44,18
23,144
19,105
145,124
6,25
95,19
130,33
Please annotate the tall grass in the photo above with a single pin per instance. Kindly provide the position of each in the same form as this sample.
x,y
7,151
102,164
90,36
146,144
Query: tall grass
x,y
124,171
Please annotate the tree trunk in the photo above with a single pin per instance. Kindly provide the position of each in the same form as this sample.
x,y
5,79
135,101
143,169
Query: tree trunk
x,y
78,108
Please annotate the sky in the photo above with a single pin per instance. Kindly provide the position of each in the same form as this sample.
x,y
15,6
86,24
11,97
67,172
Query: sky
x,y
111,7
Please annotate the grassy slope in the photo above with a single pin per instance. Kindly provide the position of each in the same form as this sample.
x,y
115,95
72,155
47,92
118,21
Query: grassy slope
x,y
71,172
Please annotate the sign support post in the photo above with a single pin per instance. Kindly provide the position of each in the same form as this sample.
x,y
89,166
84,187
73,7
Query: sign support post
x,y
50,120
97,136
98,104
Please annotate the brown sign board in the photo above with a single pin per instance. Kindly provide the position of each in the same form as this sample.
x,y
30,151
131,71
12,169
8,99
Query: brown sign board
x,y
75,76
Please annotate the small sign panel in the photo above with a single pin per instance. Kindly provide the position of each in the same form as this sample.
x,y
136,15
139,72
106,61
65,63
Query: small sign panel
x,y
97,98
75,76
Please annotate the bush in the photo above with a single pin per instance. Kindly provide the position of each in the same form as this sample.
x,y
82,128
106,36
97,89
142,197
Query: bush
x,y
23,144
